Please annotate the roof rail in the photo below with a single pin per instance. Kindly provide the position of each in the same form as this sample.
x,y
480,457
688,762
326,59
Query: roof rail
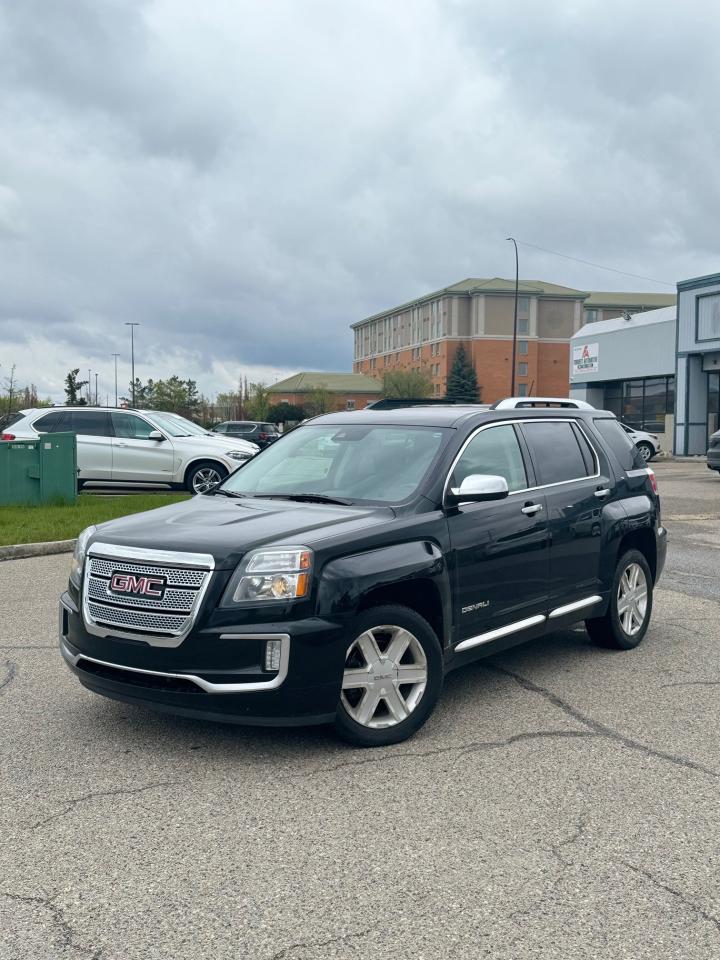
x,y
520,403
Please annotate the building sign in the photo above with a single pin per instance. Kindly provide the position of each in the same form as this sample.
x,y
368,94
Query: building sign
x,y
586,358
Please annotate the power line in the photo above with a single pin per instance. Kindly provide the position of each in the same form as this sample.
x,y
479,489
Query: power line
x,y
589,263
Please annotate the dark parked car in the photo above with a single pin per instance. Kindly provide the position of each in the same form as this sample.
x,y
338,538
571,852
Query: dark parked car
x,y
263,434
713,454
339,576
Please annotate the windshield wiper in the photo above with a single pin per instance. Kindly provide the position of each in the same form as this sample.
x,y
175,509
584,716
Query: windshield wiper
x,y
227,493
304,497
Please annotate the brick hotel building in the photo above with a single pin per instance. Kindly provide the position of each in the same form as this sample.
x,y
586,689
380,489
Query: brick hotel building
x,y
479,314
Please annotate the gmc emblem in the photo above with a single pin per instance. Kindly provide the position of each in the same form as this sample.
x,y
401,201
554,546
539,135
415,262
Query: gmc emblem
x,y
144,586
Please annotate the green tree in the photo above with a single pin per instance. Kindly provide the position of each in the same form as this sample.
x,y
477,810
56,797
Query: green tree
x,y
176,396
462,385
73,389
144,395
258,402
407,384
320,400
285,413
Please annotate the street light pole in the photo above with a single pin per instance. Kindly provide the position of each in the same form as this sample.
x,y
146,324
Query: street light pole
x,y
132,355
96,391
515,318
116,355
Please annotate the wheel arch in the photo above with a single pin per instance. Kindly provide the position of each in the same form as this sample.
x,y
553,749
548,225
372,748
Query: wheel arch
x,y
414,575
210,460
642,539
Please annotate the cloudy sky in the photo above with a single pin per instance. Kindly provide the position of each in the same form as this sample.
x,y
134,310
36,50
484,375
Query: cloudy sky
x,y
246,179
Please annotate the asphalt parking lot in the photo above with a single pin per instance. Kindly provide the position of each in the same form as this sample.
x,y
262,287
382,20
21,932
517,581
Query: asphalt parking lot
x,y
562,802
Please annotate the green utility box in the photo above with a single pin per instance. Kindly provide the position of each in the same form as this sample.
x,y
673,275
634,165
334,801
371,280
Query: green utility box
x,y
39,471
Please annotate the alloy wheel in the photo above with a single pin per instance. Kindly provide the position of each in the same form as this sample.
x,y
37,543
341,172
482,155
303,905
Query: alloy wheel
x,y
385,676
645,451
632,599
205,479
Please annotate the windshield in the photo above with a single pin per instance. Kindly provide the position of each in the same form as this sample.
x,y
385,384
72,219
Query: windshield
x,y
384,464
177,426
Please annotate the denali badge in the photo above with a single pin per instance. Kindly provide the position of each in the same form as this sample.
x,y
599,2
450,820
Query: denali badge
x,y
476,606
146,586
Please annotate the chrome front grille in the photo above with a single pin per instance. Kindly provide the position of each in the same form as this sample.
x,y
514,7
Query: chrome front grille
x,y
161,621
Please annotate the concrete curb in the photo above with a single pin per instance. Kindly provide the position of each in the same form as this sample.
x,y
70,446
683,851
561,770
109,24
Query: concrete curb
x,y
20,551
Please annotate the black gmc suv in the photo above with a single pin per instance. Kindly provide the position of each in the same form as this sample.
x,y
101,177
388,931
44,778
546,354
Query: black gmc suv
x,y
338,575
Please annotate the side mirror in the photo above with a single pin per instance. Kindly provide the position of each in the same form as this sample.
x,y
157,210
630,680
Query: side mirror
x,y
479,487
155,435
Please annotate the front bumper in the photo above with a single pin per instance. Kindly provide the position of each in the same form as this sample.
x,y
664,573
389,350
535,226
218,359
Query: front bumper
x,y
217,676
713,458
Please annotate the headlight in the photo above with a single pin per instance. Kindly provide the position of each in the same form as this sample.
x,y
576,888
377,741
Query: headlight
x,y
238,455
78,557
282,573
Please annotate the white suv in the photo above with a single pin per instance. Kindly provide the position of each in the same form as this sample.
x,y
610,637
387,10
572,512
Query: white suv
x,y
137,446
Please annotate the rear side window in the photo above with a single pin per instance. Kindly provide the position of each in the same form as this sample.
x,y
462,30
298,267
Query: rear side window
x,y
627,454
50,423
556,452
88,423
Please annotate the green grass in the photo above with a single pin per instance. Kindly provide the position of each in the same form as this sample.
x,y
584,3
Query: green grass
x,y
36,524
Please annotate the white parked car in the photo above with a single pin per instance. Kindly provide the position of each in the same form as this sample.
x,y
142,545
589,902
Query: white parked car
x,y
137,446
647,443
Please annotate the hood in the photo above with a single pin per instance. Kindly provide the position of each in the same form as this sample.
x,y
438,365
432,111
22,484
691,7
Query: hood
x,y
227,528
211,444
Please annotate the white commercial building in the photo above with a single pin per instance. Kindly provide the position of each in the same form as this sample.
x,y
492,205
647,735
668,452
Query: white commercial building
x,y
627,365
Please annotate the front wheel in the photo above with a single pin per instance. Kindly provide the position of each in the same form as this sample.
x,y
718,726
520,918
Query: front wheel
x,y
203,476
392,677
628,615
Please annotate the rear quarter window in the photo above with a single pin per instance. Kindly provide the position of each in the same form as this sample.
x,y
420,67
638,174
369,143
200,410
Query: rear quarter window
x,y
615,437
50,423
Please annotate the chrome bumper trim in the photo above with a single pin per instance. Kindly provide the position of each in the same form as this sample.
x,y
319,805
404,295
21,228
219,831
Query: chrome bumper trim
x,y
205,685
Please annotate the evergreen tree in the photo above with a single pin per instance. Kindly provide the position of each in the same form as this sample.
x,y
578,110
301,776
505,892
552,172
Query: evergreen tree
x,y
73,388
462,385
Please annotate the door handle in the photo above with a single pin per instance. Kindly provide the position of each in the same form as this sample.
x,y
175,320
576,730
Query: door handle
x,y
602,492
530,508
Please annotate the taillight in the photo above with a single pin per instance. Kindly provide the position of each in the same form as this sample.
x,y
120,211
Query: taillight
x,y
7,436
653,481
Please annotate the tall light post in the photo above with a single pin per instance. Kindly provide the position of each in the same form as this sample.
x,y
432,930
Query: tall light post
x,y
96,391
515,318
116,355
132,355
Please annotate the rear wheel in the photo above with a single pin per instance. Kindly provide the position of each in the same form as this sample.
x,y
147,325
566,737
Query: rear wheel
x,y
392,677
628,616
646,450
203,476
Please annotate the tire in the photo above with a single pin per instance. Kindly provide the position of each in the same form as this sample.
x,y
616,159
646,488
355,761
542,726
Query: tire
x,y
623,627
370,711
199,478
647,451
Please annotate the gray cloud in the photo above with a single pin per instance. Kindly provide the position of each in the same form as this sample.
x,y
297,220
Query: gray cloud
x,y
247,179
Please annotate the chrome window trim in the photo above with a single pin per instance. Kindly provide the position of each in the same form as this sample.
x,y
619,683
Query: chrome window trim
x,y
500,632
545,486
113,551
205,685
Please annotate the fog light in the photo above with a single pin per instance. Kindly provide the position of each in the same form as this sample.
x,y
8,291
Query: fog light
x,y
273,649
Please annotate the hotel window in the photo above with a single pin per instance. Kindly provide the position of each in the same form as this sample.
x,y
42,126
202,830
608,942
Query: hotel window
x,y
350,405
591,316
522,369
522,389
523,325
523,305
522,347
